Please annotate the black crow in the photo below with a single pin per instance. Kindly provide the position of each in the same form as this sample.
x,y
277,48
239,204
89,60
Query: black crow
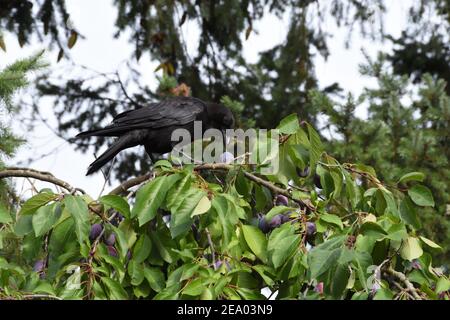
x,y
152,126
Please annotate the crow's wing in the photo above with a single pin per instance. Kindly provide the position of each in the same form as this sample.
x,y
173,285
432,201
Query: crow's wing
x,y
174,111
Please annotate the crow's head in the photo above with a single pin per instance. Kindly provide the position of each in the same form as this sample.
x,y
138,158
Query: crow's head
x,y
219,116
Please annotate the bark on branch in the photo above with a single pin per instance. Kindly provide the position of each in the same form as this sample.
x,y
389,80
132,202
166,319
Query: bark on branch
x,y
124,186
11,172
402,278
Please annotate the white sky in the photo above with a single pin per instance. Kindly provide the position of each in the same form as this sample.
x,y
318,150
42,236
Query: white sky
x,y
99,51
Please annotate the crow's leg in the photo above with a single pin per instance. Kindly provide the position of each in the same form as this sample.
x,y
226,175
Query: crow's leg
x,y
152,157
150,154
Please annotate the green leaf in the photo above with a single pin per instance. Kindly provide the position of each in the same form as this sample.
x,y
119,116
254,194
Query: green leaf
x,y
391,204
412,176
80,213
351,189
155,278
162,164
23,225
332,219
177,193
320,261
276,211
256,241
408,213
411,249
163,243
372,229
289,125
383,294
340,280
5,217
194,288
202,207
316,146
44,287
362,261
220,205
430,243
397,232
45,217
181,220
421,195
151,196
282,244
116,292
142,249
264,272
41,199
118,203
442,285
136,272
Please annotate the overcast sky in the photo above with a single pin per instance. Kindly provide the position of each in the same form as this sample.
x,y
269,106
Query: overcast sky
x,y
99,51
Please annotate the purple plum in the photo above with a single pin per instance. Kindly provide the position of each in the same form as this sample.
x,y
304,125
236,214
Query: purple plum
x,y
218,264
96,230
310,229
39,266
110,240
281,200
112,251
276,221
262,224
303,173
285,217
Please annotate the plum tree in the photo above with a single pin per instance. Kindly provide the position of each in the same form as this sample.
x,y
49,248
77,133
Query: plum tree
x,y
232,232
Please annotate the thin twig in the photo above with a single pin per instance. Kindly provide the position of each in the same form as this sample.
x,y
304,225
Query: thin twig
x,y
125,91
107,176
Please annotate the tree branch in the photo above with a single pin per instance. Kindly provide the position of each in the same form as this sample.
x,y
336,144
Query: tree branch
x,y
269,185
217,166
124,186
12,172
409,286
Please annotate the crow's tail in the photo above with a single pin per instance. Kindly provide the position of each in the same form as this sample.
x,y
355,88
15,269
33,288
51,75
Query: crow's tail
x,y
126,141
105,132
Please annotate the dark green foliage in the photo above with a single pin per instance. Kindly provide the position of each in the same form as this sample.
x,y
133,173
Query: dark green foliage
x,y
399,133
350,245
12,78
399,136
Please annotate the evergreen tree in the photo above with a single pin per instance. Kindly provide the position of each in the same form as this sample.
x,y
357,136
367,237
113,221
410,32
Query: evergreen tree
x,y
12,78
403,130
